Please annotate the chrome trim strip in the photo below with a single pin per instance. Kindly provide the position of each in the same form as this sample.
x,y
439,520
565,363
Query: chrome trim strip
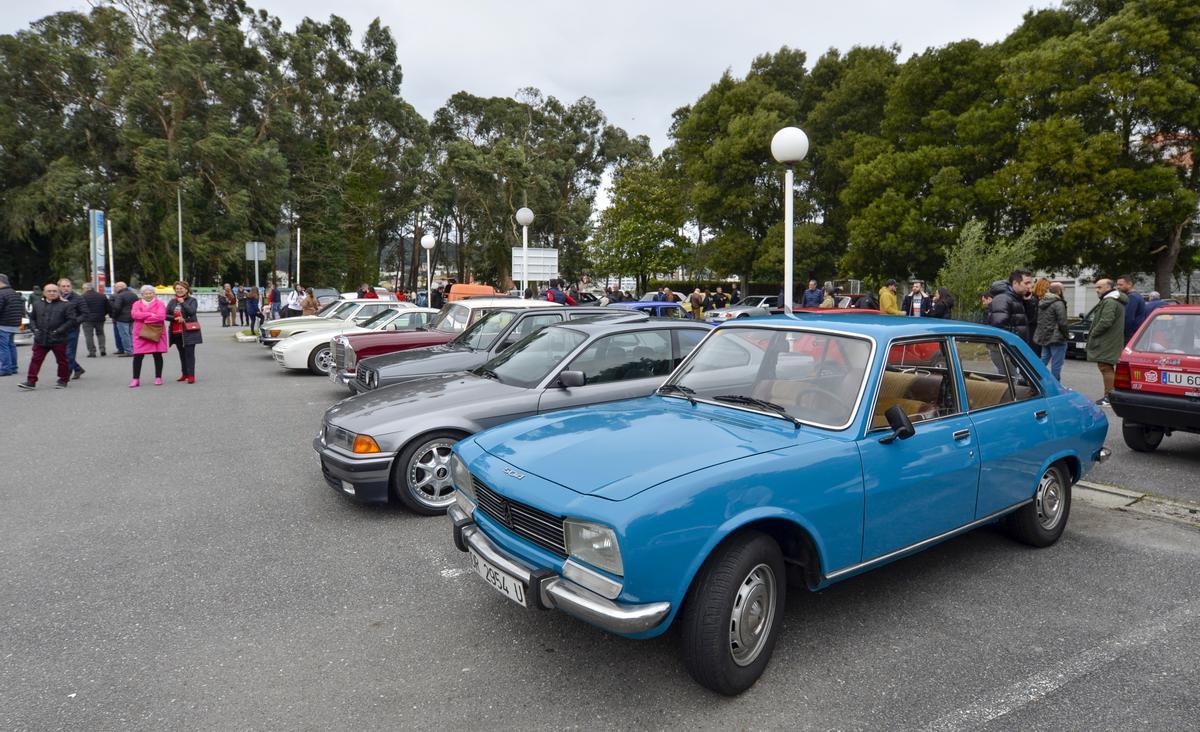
x,y
926,542
594,581
569,597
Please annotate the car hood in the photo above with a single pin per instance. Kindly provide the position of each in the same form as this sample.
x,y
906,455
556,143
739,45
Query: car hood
x,y
399,339
430,360
620,449
377,411
315,335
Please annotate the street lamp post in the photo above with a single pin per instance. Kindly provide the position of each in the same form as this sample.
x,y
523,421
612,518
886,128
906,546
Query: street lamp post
x,y
427,243
524,218
788,146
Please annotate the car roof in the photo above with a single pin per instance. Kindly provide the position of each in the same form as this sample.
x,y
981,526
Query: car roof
x,y
1178,308
639,304
603,326
881,327
504,302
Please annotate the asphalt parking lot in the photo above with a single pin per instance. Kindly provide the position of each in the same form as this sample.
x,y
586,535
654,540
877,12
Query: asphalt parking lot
x,y
172,558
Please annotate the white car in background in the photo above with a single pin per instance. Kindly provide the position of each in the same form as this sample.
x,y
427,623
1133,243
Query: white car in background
x,y
313,350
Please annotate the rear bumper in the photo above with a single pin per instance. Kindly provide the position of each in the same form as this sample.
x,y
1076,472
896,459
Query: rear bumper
x,y
1157,410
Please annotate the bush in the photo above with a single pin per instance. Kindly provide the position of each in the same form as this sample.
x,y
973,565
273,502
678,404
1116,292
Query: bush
x,y
974,263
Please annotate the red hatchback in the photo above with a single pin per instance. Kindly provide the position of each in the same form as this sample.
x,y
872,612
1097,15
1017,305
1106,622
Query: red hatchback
x,y
1157,388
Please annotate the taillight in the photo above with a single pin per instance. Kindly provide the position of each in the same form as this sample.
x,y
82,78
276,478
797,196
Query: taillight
x,y
1122,380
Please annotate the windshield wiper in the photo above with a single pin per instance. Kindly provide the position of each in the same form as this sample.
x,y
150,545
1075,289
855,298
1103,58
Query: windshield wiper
x,y
687,392
487,373
760,403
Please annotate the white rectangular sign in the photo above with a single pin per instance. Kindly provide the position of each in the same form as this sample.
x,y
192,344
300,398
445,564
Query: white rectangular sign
x,y
543,264
256,251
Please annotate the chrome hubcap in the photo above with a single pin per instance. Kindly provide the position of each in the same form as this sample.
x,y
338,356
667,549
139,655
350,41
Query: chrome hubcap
x,y
324,360
753,615
1049,500
429,474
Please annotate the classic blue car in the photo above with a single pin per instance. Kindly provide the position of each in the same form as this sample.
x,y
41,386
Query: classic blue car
x,y
805,450
653,308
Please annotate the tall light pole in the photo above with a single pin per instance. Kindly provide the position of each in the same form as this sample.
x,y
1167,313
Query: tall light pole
x,y
788,146
179,226
427,243
524,218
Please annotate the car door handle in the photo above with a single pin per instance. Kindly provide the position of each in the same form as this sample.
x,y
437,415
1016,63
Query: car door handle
x,y
962,434
1039,414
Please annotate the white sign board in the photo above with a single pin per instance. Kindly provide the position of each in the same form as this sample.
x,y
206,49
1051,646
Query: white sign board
x,y
256,251
543,264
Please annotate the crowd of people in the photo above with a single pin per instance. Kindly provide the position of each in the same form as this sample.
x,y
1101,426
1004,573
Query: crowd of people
x,y
142,324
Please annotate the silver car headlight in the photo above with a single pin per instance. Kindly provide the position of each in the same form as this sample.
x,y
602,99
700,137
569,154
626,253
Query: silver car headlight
x,y
461,476
595,544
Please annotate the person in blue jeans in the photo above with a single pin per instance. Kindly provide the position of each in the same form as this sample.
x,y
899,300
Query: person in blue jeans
x,y
1051,330
12,309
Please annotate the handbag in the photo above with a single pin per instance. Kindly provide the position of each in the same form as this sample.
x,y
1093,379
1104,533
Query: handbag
x,y
151,332
191,325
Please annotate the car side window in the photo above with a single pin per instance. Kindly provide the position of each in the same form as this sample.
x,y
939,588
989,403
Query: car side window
x,y
985,372
1024,385
685,341
917,377
531,324
626,356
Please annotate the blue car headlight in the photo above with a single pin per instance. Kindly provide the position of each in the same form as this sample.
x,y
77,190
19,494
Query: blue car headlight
x,y
595,544
461,477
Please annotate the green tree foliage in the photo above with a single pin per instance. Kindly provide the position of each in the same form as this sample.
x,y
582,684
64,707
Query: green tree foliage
x,y
975,261
639,233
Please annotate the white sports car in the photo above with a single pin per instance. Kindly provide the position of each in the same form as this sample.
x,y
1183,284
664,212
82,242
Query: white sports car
x,y
312,349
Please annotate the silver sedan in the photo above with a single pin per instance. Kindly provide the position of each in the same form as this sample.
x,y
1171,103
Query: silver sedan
x,y
394,442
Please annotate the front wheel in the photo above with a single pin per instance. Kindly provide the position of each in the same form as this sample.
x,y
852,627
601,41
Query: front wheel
x,y
732,614
1141,438
321,360
421,476
1041,522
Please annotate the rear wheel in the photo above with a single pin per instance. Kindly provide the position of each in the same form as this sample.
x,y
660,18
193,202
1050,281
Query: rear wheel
x,y
320,360
1141,438
732,614
1041,522
421,476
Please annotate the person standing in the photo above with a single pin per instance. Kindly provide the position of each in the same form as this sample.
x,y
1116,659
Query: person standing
x,y
309,305
67,294
223,304
828,302
53,321
149,334
696,301
1154,301
185,330
917,303
811,297
436,299
294,305
1135,309
1106,335
251,306
1050,333
12,309
93,310
719,298
1007,309
887,299
275,299
120,308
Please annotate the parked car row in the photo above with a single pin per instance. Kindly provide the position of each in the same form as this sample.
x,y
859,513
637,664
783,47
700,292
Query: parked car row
x,y
641,471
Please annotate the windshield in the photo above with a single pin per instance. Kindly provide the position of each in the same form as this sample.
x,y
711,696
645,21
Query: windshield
x,y
343,311
1171,333
531,359
813,377
327,309
484,332
380,319
453,318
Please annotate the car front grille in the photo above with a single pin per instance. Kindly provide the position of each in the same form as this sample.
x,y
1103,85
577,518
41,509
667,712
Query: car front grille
x,y
339,354
543,529
362,376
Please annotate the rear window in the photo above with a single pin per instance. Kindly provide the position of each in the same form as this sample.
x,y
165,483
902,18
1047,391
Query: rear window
x,y
1171,333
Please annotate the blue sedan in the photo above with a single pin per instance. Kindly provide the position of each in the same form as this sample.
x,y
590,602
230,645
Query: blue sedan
x,y
782,451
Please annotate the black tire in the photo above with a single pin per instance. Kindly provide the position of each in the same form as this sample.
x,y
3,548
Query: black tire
x,y
1141,438
732,578
408,483
320,359
1042,521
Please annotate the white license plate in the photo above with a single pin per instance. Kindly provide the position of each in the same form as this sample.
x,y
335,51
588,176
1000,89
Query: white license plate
x,y
1175,378
503,582
1080,345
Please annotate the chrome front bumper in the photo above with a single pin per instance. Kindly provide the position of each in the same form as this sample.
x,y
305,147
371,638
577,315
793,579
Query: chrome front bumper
x,y
549,590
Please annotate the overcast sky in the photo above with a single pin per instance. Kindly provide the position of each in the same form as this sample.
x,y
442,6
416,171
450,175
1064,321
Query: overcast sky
x,y
638,60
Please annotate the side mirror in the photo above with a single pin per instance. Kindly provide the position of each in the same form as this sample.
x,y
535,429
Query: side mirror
x,y
570,379
902,426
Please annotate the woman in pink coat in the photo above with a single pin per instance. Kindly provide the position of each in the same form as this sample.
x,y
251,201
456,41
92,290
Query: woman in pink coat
x,y
149,310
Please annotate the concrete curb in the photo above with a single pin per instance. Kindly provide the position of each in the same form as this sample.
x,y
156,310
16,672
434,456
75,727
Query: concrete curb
x,y
1123,499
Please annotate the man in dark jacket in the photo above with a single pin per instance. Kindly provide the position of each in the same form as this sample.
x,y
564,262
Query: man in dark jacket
x,y
1135,309
1007,309
53,321
120,306
916,303
812,296
12,309
93,309
68,295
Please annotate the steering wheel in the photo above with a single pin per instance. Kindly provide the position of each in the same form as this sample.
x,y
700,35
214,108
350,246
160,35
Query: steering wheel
x,y
814,397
